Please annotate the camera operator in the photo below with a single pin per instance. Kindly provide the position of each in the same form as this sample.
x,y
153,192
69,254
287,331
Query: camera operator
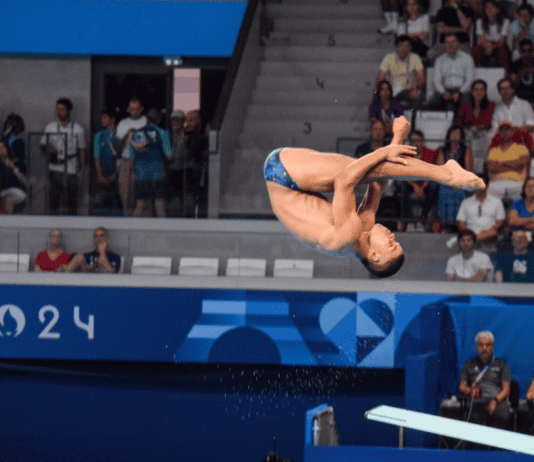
x,y
13,181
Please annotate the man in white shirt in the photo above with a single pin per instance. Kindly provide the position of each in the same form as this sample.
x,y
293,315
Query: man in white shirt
x,y
125,130
516,110
64,143
453,73
483,214
469,265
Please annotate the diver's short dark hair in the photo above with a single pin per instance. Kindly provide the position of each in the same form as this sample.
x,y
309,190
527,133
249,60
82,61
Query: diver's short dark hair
x,y
394,266
65,102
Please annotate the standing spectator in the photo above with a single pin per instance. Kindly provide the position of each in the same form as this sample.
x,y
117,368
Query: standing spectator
x,y
64,141
521,213
196,145
383,107
450,198
176,167
416,25
522,27
125,131
404,70
522,71
101,260
423,189
376,141
106,160
492,32
487,377
474,116
453,75
508,165
484,215
517,265
469,265
455,17
149,147
13,181
54,258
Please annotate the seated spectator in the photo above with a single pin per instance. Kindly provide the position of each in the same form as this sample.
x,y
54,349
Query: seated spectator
x,y
492,32
508,165
453,75
522,28
149,147
376,141
530,399
106,160
522,71
484,215
455,17
404,70
383,107
54,258
449,198
424,190
469,265
517,265
101,260
391,14
474,116
521,213
13,179
514,109
486,379
416,25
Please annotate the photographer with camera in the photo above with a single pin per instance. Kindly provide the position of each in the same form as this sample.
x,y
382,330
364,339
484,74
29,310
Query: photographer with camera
x,y
64,142
13,181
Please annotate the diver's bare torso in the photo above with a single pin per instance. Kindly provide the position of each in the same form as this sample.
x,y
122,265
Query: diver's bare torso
x,y
307,213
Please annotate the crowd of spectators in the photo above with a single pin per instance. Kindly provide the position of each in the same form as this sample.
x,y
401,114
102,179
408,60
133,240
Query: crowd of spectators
x,y
136,168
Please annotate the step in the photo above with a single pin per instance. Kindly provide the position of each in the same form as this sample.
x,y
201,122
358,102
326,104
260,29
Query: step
x,y
304,127
304,112
331,11
328,25
342,39
296,54
366,71
310,97
308,82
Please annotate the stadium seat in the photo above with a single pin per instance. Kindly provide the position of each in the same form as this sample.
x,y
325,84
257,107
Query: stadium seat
x,y
159,266
293,268
198,266
12,262
434,125
246,267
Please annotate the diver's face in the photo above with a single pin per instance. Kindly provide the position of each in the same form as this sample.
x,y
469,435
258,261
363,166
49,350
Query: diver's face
x,y
382,243
484,348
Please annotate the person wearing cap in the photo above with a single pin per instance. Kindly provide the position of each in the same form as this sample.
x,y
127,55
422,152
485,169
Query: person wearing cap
x,y
149,146
508,165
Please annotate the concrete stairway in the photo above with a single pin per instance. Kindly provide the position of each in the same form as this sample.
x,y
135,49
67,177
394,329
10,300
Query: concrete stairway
x,y
314,87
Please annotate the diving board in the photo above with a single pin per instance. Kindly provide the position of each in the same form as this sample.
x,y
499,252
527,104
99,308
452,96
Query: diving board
x,y
476,433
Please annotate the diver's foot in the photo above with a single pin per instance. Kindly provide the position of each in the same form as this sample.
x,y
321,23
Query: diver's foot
x,y
461,178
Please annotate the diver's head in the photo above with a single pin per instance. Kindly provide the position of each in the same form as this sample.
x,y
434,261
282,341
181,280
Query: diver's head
x,y
382,254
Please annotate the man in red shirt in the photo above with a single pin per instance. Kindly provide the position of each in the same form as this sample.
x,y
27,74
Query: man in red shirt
x,y
422,190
